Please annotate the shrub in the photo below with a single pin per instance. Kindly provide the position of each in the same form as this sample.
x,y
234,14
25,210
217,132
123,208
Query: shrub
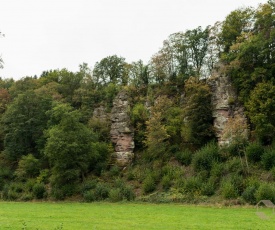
x,y
101,191
28,166
234,165
208,188
192,185
115,195
166,182
265,192
89,196
12,191
149,184
128,193
237,147
228,190
39,190
254,151
205,157
88,185
249,194
232,186
26,196
217,170
268,158
184,157
114,171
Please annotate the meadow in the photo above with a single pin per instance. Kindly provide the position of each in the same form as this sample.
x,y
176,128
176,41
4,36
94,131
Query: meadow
x,y
36,215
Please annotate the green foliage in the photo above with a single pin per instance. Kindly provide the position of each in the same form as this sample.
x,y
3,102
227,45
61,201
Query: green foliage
x,y
139,116
184,156
101,191
149,184
254,152
24,123
197,128
228,190
261,110
208,188
89,196
193,185
110,69
232,186
28,166
69,149
268,158
265,192
205,157
249,194
39,191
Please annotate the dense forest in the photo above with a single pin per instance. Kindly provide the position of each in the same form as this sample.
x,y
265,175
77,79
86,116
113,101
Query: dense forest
x,y
54,147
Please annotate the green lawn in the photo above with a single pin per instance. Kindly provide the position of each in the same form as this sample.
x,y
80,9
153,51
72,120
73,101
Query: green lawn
x,y
79,216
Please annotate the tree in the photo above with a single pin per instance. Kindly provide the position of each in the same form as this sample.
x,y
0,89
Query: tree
x,y
23,124
156,131
69,149
139,74
110,69
197,40
197,115
237,22
261,111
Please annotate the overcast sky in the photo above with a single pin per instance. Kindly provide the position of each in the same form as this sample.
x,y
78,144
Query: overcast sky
x,y
54,34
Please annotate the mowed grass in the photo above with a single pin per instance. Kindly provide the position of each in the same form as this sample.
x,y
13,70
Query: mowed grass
x,y
79,216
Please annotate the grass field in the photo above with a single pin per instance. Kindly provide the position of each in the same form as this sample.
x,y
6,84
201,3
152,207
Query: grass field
x,y
79,216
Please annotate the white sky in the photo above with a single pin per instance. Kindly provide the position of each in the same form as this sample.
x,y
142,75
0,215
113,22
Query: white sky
x,y
54,34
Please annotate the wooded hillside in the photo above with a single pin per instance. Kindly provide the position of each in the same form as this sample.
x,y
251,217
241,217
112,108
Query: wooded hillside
x,y
57,140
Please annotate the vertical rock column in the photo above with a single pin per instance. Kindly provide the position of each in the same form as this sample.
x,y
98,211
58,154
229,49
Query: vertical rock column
x,y
122,134
225,107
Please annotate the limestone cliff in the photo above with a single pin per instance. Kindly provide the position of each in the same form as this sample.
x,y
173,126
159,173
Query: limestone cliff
x,y
122,134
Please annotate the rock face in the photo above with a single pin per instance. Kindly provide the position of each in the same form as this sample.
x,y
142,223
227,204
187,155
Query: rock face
x,y
100,113
228,114
122,134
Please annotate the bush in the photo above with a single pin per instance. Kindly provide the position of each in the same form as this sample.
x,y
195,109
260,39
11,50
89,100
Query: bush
x,y
12,191
193,185
128,193
89,196
268,158
265,192
228,190
237,147
101,191
184,157
205,157
149,184
254,151
234,165
217,170
249,194
28,166
114,171
115,195
39,191
166,182
232,186
208,188
88,185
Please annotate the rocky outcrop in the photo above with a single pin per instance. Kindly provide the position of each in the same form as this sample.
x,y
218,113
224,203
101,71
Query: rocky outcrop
x,y
100,114
122,133
228,113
